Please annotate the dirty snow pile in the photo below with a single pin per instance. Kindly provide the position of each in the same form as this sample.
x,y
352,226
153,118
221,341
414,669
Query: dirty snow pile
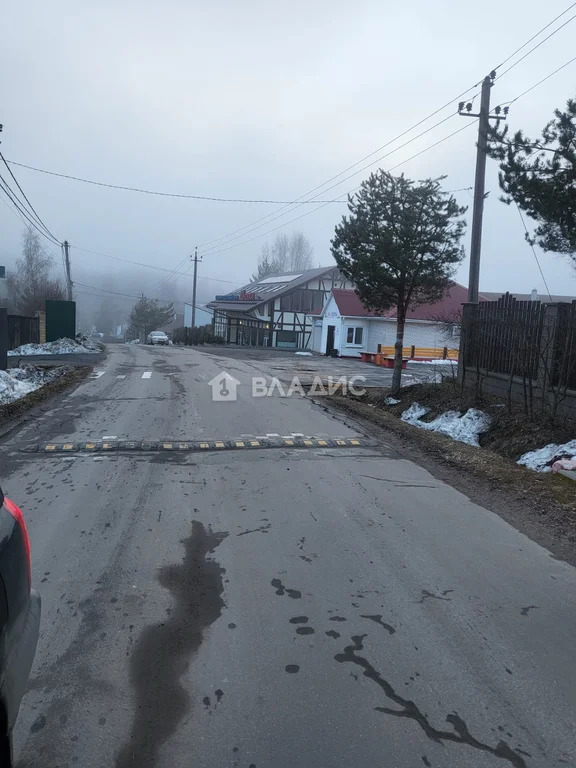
x,y
19,382
433,362
60,347
464,429
12,389
551,458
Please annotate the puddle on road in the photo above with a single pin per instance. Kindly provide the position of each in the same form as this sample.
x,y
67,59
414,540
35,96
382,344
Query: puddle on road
x,y
163,651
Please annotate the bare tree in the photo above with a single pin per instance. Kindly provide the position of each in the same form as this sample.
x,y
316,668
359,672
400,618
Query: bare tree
x,y
300,252
451,322
286,254
30,285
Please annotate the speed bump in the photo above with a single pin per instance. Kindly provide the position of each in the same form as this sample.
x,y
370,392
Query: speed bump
x,y
152,446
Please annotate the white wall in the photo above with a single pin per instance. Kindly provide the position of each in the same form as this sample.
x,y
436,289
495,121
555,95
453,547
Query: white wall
x,y
419,334
316,339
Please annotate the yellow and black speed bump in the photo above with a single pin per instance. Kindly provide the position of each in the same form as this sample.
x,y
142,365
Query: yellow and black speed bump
x,y
198,446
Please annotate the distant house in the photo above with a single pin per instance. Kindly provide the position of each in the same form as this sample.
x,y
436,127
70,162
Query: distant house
x,y
347,326
277,311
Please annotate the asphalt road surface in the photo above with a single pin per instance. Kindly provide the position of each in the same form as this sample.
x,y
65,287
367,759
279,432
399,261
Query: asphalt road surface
x,y
319,607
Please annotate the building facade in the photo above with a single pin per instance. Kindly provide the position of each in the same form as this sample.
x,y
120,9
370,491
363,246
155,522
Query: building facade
x,y
347,326
277,311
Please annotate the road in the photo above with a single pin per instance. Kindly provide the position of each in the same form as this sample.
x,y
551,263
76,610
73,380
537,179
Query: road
x,y
319,607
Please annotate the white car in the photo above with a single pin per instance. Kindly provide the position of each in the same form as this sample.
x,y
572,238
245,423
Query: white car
x,y
158,337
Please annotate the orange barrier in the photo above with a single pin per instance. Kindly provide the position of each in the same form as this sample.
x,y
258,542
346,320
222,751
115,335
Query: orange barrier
x,y
432,353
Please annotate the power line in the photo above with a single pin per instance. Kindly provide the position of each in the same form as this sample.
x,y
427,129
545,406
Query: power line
x,y
160,194
537,46
173,272
141,264
26,198
125,295
14,211
307,213
9,192
242,229
539,82
533,250
355,173
507,59
332,178
222,250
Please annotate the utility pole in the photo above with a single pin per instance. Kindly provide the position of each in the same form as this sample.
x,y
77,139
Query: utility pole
x,y
484,118
196,260
3,320
68,277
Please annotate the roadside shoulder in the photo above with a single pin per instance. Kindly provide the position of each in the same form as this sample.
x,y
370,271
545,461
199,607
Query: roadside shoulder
x,y
17,413
541,506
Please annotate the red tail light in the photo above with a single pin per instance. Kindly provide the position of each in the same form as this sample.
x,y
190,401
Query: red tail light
x,y
17,515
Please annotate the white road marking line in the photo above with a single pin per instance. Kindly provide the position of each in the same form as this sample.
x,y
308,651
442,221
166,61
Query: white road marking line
x,y
97,374
108,437
123,376
272,434
147,374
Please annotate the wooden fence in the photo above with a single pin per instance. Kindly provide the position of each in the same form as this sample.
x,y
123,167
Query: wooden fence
x,y
23,330
524,350
504,336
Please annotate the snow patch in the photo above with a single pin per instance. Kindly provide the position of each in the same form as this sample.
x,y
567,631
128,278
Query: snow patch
x,y
304,354
542,459
391,401
433,362
464,429
12,389
60,347
19,382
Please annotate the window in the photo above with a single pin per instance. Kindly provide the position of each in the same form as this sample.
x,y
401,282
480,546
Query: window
x,y
287,339
302,300
354,336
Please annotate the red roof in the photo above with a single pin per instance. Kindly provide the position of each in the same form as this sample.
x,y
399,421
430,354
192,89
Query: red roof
x,y
350,305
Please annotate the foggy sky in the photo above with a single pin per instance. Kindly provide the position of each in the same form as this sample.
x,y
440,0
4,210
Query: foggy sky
x,y
255,100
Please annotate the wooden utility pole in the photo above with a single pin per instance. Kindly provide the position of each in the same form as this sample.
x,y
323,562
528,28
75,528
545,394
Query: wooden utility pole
x,y
195,278
484,118
3,339
68,277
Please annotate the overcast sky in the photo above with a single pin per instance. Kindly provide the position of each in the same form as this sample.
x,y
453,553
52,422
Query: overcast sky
x,y
256,100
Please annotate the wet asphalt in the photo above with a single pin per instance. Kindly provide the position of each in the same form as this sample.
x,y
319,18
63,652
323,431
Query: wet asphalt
x,y
315,607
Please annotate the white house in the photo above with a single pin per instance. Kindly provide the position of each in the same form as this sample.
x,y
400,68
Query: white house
x,y
347,326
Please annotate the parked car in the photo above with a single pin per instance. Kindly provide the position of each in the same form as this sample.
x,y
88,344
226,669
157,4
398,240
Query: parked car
x,y
158,337
19,620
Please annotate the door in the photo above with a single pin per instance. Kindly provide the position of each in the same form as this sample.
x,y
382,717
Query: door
x,y
330,339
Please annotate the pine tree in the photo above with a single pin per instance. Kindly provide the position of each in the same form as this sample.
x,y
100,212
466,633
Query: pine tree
x,y
540,177
400,245
148,315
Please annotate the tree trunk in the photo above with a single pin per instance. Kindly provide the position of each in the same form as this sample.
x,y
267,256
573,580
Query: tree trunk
x,y
397,375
